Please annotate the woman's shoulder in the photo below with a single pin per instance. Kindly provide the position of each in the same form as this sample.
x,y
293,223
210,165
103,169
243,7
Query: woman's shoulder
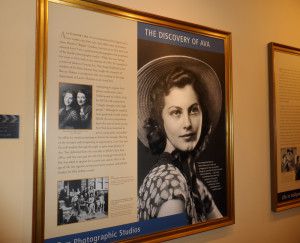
x,y
61,110
165,169
87,108
164,182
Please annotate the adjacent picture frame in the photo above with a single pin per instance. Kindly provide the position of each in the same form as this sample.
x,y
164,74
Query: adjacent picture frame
x,y
284,86
134,125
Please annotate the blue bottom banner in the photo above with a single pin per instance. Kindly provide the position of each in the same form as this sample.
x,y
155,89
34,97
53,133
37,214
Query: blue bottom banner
x,y
125,231
288,195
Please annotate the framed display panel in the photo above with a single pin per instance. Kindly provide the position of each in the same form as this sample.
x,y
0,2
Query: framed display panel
x,y
284,74
134,136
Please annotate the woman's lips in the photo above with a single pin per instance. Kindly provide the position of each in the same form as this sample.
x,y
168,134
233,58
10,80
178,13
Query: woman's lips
x,y
188,135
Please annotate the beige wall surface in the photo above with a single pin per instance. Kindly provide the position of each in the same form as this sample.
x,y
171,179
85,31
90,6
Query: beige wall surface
x,y
252,23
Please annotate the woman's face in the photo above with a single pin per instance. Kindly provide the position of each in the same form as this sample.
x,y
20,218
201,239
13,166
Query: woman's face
x,y
182,118
81,99
68,99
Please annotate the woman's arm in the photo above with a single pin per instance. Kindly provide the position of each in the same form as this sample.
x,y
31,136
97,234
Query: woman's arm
x,y
213,210
171,207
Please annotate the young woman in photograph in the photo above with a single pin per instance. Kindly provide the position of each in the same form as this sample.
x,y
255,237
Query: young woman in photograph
x,y
85,109
179,106
68,116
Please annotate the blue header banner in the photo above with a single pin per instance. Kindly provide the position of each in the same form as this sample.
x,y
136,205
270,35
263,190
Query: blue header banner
x,y
122,232
179,38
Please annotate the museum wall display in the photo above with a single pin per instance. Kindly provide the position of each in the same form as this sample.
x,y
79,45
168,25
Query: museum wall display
x,y
251,24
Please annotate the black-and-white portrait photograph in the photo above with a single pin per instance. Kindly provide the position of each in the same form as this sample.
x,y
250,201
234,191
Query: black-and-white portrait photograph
x,y
82,200
297,168
288,156
75,106
181,132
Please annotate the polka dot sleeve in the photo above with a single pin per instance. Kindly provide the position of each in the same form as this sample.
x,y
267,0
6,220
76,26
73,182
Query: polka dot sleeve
x,y
164,182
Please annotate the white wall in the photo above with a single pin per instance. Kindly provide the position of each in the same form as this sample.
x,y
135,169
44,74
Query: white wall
x,y
252,23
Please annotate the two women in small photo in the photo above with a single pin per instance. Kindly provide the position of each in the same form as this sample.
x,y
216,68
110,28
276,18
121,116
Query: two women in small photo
x,y
76,110
288,159
179,106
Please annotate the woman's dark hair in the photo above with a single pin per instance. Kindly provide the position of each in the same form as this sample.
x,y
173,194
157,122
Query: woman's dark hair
x,y
86,94
69,91
155,131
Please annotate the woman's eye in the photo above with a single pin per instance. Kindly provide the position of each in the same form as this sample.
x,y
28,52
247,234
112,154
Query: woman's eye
x,y
195,110
175,113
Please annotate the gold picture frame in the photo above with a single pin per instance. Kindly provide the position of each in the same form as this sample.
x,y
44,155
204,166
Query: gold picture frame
x,y
95,52
284,74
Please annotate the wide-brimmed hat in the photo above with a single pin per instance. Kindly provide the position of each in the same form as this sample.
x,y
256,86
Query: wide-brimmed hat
x,y
159,68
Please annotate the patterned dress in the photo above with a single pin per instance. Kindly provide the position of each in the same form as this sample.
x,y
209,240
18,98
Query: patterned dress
x,y
68,119
85,113
169,180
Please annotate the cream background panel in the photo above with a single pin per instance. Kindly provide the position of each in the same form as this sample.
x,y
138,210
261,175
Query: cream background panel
x,y
287,104
67,19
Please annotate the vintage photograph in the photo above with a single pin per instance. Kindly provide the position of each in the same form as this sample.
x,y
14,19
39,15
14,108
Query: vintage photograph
x,y
288,159
181,132
75,106
82,200
297,168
